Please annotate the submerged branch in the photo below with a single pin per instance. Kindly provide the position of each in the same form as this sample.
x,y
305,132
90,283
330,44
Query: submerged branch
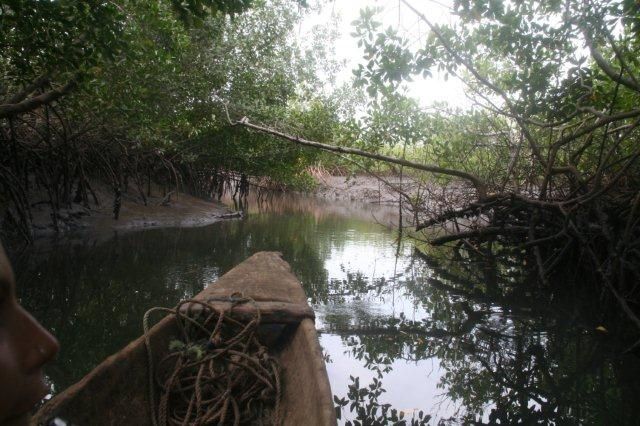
x,y
484,232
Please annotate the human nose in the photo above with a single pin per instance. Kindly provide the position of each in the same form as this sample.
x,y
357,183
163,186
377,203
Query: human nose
x,y
38,345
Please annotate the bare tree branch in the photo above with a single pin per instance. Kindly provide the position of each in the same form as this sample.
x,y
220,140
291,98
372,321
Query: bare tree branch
x,y
480,233
479,185
7,110
607,68
37,83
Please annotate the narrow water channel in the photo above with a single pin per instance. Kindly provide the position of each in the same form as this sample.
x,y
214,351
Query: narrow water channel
x,y
457,340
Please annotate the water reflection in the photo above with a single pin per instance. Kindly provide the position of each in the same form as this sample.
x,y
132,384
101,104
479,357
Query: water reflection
x,y
504,352
464,341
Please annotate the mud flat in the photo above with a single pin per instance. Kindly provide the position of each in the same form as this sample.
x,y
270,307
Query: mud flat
x,y
364,188
178,210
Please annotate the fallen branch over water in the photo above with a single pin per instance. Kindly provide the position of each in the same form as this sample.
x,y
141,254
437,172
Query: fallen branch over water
x,y
479,185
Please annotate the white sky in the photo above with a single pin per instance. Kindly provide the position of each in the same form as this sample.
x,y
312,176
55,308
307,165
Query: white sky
x,y
398,16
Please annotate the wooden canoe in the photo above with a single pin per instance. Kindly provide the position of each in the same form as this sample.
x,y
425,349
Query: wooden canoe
x,y
116,391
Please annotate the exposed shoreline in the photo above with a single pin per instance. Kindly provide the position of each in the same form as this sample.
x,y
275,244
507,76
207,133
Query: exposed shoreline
x,y
95,223
184,210
363,188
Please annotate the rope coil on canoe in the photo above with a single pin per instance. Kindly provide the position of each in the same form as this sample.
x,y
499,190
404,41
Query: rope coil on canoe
x,y
217,371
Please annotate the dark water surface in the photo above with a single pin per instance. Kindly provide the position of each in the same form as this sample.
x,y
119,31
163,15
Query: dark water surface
x,y
457,340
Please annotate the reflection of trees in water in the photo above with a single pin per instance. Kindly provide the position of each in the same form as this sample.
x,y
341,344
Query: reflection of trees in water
x,y
364,403
509,352
558,376
320,209
503,344
93,296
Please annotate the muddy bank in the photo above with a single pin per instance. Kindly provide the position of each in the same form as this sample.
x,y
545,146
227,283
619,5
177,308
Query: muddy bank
x,y
363,188
182,210
177,210
436,198
321,208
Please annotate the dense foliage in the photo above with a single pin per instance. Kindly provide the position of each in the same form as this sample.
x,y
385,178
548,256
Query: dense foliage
x,y
543,168
131,96
545,163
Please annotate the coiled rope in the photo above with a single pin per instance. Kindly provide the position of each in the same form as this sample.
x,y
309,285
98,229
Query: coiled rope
x,y
217,372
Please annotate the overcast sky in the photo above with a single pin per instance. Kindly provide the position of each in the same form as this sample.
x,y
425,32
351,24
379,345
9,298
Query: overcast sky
x,y
398,16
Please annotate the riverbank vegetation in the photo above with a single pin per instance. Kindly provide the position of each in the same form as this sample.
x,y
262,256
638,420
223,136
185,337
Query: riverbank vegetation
x,y
541,170
544,165
129,95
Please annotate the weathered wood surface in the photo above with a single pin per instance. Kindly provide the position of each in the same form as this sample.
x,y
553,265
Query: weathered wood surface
x,y
116,392
270,312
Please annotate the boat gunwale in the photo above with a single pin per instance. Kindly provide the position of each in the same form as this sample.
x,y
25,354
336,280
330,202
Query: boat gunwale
x,y
120,367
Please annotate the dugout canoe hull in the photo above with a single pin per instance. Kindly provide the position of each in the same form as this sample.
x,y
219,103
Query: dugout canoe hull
x,y
116,391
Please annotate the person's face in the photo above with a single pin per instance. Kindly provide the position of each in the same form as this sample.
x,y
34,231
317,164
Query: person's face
x,y
24,348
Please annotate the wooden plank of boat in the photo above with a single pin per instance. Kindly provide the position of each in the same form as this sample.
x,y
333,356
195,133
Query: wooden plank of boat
x,y
116,392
